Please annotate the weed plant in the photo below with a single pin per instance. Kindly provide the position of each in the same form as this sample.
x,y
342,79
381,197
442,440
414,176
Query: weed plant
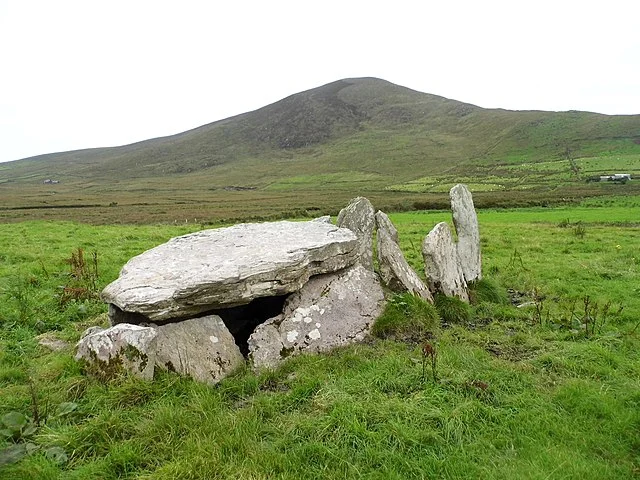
x,y
83,277
579,230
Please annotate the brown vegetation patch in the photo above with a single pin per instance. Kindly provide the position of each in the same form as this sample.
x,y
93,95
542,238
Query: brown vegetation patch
x,y
512,353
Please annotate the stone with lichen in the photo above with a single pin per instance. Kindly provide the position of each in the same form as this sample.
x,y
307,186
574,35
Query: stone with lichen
x,y
225,267
121,348
465,221
359,217
331,310
395,271
442,265
201,348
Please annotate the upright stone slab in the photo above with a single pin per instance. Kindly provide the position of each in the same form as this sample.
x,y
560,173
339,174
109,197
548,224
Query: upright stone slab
x,y
384,223
465,220
395,272
359,217
331,310
201,348
225,267
442,265
122,347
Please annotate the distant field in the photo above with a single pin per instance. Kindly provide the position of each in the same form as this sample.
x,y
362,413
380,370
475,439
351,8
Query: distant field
x,y
191,199
521,393
527,176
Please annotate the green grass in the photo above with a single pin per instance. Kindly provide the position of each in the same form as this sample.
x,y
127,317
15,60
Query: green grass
x,y
487,290
452,310
407,318
517,396
523,176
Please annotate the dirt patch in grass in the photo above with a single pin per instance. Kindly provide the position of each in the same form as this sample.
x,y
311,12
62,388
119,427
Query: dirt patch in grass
x,y
512,353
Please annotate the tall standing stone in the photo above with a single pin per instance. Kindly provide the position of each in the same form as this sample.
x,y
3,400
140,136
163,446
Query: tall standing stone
x,y
359,217
465,220
384,223
395,271
442,264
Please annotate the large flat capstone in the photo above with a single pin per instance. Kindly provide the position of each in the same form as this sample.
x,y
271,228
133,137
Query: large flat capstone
x,y
224,267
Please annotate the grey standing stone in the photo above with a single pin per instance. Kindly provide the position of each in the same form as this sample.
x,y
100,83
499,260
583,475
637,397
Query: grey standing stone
x,y
395,272
225,267
329,311
465,220
201,348
121,347
442,264
359,217
385,224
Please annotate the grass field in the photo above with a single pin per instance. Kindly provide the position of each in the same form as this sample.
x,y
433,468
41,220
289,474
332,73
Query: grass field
x,y
556,174
531,392
193,201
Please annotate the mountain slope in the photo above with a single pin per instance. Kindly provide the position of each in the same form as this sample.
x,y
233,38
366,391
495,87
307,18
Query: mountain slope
x,y
346,122
354,136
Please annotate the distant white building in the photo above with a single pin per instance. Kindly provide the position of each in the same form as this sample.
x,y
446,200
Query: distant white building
x,y
616,177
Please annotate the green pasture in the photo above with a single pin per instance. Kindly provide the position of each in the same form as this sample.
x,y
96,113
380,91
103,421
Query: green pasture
x,y
553,173
525,392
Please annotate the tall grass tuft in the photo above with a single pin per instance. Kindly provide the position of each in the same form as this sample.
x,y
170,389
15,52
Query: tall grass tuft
x,y
487,290
579,230
452,309
407,317
19,294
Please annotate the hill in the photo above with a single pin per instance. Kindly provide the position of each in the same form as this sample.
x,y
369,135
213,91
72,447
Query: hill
x,y
317,148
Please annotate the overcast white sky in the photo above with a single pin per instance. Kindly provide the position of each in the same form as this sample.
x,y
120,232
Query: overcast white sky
x,y
78,74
